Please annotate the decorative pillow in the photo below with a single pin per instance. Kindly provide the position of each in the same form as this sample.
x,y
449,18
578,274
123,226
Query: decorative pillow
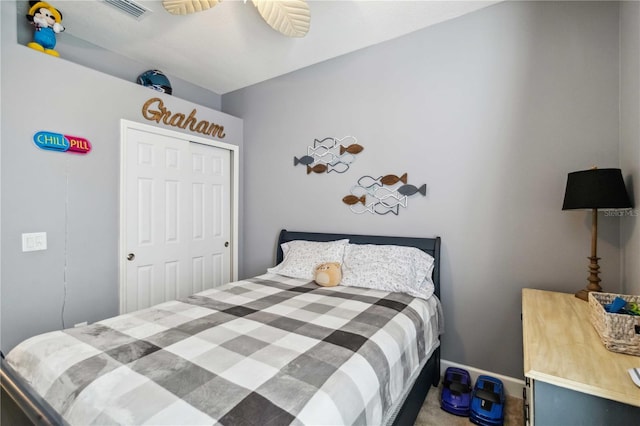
x,y
328,274
301,257
388,268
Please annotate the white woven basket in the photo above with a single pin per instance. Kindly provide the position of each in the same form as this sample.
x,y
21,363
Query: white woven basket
x,y
618,332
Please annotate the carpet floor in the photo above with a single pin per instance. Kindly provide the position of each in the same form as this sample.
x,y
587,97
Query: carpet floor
x,y
432,415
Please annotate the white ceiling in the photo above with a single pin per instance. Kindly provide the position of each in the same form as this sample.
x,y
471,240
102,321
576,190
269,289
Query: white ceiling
x,y
230,47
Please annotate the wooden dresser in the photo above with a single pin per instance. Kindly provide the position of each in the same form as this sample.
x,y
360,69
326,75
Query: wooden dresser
x,y
572,379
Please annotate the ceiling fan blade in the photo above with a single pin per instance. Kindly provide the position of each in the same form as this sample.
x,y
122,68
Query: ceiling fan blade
x,y
290,17
185,7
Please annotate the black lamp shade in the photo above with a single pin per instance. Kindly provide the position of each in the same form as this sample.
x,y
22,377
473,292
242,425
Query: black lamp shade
x,y
596,189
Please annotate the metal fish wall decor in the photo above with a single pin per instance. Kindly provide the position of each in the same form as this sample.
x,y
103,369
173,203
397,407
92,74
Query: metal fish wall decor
x,y
329,155
382,195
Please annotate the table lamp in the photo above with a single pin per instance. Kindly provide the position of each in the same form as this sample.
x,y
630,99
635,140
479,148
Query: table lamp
x,y
595,189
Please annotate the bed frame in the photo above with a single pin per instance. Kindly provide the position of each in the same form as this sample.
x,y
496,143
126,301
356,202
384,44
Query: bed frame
x,y
430,374
21,405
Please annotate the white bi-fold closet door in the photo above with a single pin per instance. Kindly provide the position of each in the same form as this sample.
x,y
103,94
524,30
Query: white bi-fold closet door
x,y
177,198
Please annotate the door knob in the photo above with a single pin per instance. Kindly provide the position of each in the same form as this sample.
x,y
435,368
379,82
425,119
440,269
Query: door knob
x,y
130,257
226,243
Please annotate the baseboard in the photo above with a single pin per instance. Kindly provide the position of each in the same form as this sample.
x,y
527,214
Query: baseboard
x,y
512,386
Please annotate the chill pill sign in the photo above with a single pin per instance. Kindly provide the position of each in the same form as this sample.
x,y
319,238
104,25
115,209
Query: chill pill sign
x,y
59,142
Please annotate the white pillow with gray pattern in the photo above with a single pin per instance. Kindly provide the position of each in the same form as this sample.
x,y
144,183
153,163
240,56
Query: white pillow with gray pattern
x,y
388,268
301,257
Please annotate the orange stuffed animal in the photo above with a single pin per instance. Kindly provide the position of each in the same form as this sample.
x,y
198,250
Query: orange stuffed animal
x,y
328,274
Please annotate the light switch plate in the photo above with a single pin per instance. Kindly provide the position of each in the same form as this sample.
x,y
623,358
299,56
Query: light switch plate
x,y
34,241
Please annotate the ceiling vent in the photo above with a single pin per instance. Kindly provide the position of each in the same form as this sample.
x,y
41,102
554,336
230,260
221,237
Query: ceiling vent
x,y
131,8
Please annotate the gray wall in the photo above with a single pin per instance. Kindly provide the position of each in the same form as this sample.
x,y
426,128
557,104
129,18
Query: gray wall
x,y
491,110
630,140
75,199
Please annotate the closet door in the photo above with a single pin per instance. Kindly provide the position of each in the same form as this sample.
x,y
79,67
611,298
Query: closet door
x,y
176,218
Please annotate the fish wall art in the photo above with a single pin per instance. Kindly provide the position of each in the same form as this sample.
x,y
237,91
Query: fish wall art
x,y
329,155
382,195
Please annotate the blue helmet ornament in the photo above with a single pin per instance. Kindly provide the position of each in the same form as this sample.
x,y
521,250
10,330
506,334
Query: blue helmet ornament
x,y
156,80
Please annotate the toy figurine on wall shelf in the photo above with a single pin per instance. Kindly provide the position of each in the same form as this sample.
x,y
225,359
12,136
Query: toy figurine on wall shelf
x,y
47,22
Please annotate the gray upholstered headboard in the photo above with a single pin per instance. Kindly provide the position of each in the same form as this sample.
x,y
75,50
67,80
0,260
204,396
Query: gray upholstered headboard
x,y
430,246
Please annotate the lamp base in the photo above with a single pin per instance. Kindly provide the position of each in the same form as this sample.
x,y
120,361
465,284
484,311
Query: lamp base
x,y
584,294
594,270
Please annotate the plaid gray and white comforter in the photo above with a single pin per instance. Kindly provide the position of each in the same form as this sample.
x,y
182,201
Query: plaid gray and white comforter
x,y
268,350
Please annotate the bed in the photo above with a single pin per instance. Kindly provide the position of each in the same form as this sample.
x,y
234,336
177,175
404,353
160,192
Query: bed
x,y
272,349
